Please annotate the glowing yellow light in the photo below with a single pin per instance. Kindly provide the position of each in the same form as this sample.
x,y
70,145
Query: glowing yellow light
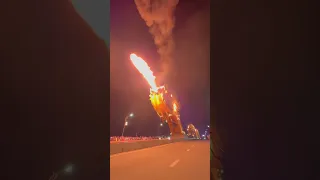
x,y
174,107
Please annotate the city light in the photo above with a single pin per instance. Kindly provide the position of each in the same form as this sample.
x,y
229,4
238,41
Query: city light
x,y
126,124
131,115
161,124
68,168
208,126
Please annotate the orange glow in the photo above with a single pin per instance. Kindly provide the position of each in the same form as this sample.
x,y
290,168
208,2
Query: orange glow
x,y
157,96
145,70
174,107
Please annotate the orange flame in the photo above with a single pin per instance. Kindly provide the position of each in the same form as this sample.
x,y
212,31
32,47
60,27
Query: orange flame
x,y
145,70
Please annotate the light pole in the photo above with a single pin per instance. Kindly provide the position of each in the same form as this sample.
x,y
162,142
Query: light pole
x,y
126,122
161,125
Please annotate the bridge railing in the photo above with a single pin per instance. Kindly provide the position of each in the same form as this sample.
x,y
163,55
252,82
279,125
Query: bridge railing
x,y
131,145
139,138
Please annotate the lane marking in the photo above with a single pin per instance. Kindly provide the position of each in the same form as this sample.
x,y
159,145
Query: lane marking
x,y
188,149
174,163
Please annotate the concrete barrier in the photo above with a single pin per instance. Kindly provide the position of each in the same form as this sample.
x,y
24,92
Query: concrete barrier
x,y
135,145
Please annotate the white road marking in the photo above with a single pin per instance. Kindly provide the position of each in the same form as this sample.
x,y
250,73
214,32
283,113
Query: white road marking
x,y
188,149
174,163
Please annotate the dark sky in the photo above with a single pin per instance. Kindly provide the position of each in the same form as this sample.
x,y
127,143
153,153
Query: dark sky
x,y
190,76
96,14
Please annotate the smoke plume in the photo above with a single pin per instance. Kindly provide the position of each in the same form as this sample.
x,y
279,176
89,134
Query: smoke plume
x,y
159,17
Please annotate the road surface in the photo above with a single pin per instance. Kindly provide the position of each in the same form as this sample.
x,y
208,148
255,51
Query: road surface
x,y
189,160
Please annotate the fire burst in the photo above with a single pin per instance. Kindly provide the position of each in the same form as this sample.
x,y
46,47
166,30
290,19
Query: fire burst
x,y
165,105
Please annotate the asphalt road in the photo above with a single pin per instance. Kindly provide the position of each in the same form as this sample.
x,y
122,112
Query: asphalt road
x,y
188,160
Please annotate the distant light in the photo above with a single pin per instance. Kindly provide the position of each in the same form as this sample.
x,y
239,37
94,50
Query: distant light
x,y
208,126
202,135
131,115
126,124
68,168
174,107
169,138
161,124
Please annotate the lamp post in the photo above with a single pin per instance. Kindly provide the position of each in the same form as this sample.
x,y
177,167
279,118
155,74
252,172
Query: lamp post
x,y
161,125
126,122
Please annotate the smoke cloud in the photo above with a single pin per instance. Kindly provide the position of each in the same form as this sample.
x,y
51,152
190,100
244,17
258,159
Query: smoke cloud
x,y
159,17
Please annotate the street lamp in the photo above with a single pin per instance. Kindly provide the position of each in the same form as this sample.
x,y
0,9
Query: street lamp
x,y
161,125
126,121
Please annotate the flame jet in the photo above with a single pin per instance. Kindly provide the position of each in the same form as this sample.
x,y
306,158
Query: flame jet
x,y
166,106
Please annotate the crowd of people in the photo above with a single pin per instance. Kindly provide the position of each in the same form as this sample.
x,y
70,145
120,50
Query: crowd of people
x,y
137,138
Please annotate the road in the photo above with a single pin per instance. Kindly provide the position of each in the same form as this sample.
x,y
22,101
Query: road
x,y
189,160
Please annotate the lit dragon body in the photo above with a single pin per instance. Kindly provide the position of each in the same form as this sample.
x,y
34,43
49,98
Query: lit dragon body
x,y
164,103
192,132
167,108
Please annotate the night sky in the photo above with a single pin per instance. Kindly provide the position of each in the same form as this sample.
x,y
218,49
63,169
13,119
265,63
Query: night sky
x,y
97,15
189,80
